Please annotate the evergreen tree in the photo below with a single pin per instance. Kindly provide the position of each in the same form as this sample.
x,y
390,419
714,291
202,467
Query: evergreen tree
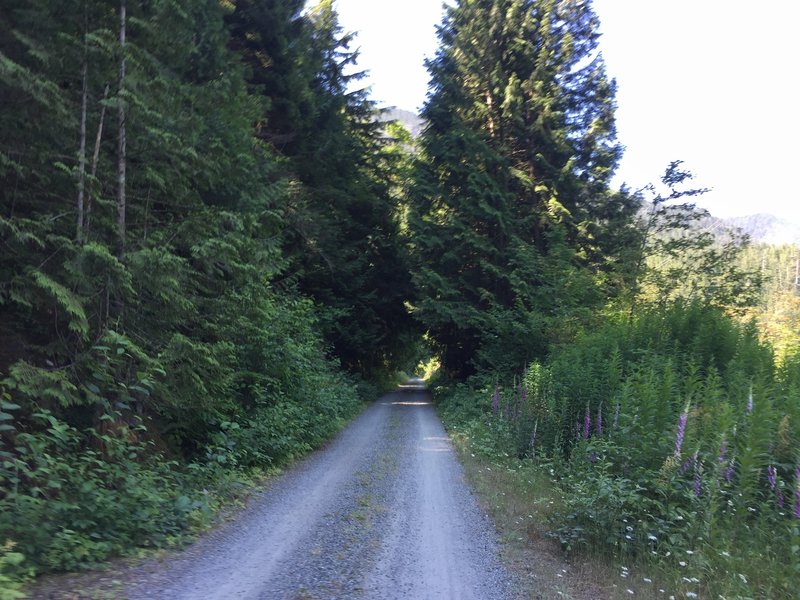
x,y
511,203
342,235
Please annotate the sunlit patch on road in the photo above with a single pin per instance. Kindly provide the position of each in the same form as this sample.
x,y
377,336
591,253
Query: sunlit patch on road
x,y
410,403
436,444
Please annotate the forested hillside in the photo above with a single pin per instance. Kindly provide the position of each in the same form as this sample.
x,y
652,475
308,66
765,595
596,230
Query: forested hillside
x,y
609,344
200,261
213,248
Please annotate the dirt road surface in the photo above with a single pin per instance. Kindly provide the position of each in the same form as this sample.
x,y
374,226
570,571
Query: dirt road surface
x,y
382,512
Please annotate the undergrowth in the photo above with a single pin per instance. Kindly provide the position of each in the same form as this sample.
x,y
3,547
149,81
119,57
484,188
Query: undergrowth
x,y
673,439
71,498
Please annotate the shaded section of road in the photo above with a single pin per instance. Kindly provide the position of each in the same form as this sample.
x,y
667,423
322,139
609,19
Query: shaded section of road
x,y
382,512
439,544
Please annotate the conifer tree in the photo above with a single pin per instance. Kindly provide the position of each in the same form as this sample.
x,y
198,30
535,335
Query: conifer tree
x,y
511,203
341,234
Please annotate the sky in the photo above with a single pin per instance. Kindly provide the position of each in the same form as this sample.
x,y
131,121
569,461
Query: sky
x,y
714,83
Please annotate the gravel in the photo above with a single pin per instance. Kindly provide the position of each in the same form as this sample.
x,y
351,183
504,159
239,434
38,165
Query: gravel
x,y
382,512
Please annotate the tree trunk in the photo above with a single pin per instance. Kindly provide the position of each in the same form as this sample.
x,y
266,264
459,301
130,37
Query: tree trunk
x,y
121,164
95,159
82,150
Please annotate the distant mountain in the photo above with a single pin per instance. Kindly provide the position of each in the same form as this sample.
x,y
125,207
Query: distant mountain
x,y
766,229
411,121
762,228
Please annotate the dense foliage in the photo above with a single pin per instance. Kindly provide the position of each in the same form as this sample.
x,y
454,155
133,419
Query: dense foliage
x,y
195,216
674,438
643,344
515,229
208,237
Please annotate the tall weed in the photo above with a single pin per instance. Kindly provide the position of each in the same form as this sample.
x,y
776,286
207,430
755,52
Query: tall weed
x,y
675,439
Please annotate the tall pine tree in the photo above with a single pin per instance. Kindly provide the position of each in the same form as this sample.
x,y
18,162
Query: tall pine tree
x,y
511,202
341,233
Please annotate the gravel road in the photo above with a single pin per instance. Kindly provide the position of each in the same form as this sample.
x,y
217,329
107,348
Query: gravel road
x,y
382,512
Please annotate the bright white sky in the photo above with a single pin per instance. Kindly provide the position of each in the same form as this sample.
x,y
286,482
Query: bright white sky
x,y
715,83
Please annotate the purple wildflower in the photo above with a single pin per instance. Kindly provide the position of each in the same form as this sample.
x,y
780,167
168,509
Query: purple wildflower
x,y
587,423
779,499
593,457
496,400
797,493
698,480
772,476
616,417
681,432
723,452
598,426
727,473
688,464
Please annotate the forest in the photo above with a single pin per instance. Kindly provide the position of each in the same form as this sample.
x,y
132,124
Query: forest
x,y
214,249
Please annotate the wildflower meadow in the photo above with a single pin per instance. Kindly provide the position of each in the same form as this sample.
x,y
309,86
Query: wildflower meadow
x,y
674,438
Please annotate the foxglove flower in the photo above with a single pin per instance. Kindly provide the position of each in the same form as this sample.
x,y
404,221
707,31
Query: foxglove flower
x,y
698,480
723,452
681,430
587,423
727,473
797,492
772,476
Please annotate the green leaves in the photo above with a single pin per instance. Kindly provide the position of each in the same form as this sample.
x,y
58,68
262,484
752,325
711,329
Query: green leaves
x,y
65,300
511,214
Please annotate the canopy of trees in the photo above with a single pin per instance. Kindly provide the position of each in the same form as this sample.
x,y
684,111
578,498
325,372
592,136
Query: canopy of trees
x,y
210,240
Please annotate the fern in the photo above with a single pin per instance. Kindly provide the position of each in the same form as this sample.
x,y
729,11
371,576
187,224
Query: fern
x,y
38,385
66,300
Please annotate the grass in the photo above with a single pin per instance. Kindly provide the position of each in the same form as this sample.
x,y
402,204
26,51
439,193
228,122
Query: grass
x,y
521,497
